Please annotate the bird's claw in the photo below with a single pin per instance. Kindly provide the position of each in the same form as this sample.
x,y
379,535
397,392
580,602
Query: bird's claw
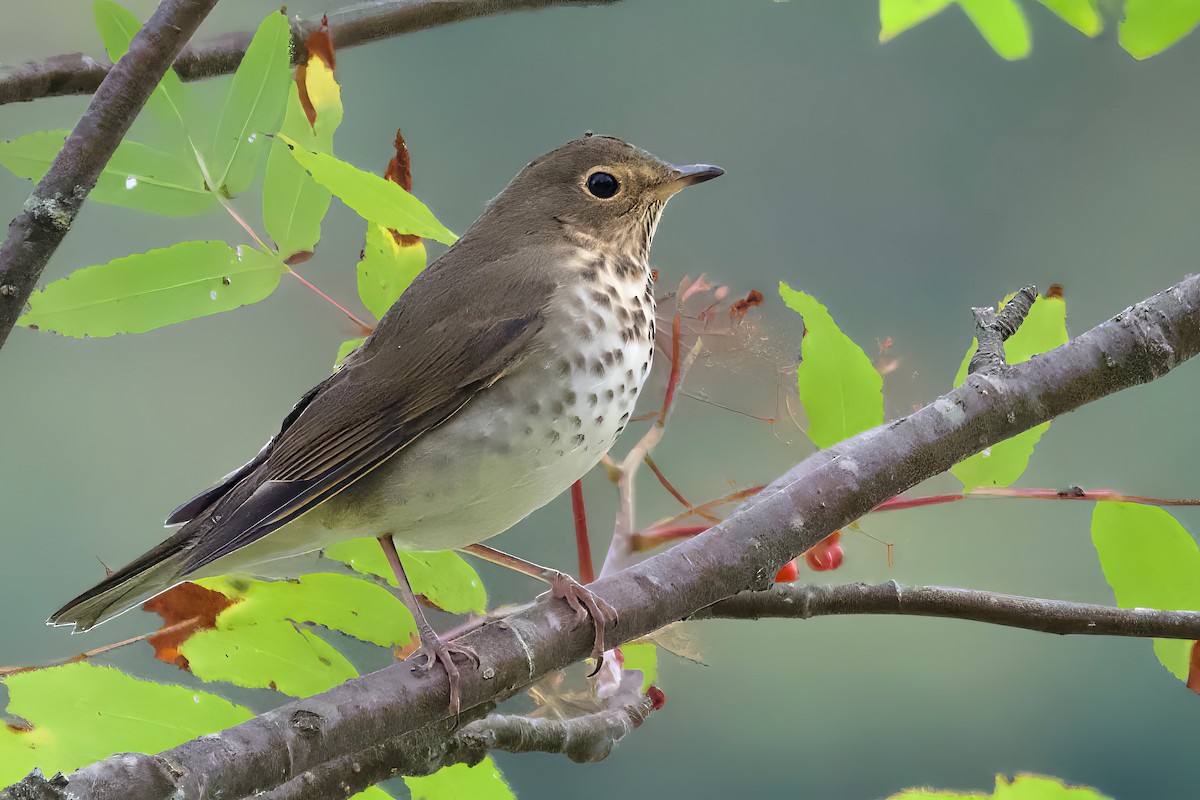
x,y
585,603
435,650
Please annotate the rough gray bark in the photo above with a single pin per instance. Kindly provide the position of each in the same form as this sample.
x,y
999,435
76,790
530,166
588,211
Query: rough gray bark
x,y
35,233
75,73
821,494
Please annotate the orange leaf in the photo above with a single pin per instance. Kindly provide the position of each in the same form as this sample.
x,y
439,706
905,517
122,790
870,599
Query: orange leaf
x,y
320,47
399,171
185,609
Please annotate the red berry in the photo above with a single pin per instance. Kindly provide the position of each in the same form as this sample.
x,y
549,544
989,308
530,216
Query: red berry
x,y
657,698
826,555
788,573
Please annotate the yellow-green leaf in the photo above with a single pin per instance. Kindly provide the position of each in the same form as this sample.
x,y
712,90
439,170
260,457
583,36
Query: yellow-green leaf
x,y
1044,329
79,713
137,176
1083,15
1151,26
643,656
293,203
268,655
1150,561
1022,787
347,347
149,290
374,198
253,106
1003,25
897,16
386,268
480,782
841,390
442,576
345,603
172,102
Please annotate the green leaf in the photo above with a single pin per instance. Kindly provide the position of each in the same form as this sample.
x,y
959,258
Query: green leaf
x,y
351,605
253,107
137,176
1022,787
293,203
1083,15
386,268
442,576
1003,25
1044,329
841,390
643,656
346,348
374,198
268,655
149,290
172,102
373,793
1150,561
897,16
1151,26
480,782
81,713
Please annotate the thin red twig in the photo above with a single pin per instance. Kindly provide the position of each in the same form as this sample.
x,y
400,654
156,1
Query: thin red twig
x,y
583,545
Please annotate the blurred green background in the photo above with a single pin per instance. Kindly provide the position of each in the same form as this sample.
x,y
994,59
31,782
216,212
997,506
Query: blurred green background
x,y
899,183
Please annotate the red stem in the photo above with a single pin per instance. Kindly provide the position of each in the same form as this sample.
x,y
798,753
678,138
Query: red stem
x,y
583,546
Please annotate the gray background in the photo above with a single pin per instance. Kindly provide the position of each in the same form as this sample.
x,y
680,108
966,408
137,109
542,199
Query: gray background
x,y
900,183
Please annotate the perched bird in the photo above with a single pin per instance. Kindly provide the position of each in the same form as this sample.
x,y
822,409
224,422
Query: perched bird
x,y
497,379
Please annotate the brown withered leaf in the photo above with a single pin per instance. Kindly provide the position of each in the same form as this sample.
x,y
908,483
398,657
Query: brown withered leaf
x,y
740,307
399,171
320,45
185,609
1055,291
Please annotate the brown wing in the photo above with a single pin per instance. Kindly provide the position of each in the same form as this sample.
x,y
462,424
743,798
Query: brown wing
x,y
444,340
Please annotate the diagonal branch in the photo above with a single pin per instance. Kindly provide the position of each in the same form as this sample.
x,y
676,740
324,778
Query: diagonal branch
x,y
1031,613
822,494
75,73
35,233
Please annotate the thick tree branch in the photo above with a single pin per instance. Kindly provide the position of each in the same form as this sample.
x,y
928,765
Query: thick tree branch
x,y
35,233
820,495
1031,613
76,73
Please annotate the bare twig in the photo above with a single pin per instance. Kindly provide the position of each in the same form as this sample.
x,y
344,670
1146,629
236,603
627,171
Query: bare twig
x,y
365,22
35,233
1014,611
822,494
992,329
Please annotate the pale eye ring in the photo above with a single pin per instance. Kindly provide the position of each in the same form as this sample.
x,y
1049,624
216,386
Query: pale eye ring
x,y
602,185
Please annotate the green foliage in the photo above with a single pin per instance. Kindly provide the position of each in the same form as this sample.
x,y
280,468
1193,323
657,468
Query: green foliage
x,y
137,176
446,580
372,197
149,290
1152,26
480,782
253,107
293,203
386,268
171,102
347,347
1150,561
1001,464
1149,26
841,390
643,656
79,713
1022,787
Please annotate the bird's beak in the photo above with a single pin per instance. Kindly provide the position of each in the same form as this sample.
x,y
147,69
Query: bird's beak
x,y
691,174
695,173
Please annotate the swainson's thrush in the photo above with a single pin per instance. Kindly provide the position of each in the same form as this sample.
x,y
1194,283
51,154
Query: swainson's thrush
x,y
502,375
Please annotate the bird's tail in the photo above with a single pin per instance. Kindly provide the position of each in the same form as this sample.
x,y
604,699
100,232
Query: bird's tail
x,y
152,573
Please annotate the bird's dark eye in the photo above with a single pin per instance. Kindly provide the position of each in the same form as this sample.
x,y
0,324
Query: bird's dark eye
x,y
602,185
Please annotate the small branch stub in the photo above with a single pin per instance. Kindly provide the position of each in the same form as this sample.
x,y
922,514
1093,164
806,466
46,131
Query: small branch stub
x,y
993,329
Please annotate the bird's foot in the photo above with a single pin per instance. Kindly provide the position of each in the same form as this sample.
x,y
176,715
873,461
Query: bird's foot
x,y
585,603
435,650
